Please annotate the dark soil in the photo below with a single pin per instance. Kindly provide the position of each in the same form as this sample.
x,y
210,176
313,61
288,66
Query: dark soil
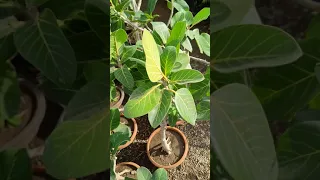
x,y
132,174
160,156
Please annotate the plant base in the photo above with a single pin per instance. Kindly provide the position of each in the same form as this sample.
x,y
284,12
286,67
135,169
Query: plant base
x,y
179,145
129,168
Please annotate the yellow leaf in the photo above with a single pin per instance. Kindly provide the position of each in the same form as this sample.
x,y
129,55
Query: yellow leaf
x,y
153,65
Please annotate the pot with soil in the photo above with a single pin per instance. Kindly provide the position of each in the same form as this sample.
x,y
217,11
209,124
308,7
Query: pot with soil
x,y
116,102
126,169
31,113
132,124
179,148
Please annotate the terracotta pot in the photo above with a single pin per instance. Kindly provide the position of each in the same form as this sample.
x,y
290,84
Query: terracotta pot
x,y
22,135
134,133
119,102
128,164
180,161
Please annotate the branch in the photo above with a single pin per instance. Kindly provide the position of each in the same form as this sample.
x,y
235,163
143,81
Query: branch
x,y
203,61
172,9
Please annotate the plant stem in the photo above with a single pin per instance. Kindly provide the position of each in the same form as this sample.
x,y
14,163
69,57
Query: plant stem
x,y
200,60
164,141
171,14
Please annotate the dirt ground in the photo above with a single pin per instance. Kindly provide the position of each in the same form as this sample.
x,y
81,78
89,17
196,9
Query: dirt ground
x,y
197,164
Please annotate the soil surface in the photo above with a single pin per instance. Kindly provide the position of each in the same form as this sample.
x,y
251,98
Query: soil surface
x,y
160,156
197,164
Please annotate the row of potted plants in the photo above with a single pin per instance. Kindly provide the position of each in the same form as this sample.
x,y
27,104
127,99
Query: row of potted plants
x,y
152,67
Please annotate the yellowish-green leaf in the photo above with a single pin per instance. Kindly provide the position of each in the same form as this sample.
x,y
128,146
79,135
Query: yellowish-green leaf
x,y
153,65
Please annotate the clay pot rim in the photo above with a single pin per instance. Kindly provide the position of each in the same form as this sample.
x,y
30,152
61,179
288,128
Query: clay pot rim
x,y
186,148
128,163
134,134
119,102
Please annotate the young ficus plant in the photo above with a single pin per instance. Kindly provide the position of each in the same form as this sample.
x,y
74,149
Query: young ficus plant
x,y
166,90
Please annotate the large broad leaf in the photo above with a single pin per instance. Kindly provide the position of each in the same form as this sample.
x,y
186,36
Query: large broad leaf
x,y
9,93
144,174
251,46
299,152
96,70
63,9
314,28
160,174
240,134
178,32
117,139
35,2
152,57
286,89
228,12
185,105
7,9
159,113
162,29
43,44
78,148
15,165
200,89
98,12
186,76
124,76
151,5
87,46
181,62
203,110
168,58
142,101
88,100
114,118
201,15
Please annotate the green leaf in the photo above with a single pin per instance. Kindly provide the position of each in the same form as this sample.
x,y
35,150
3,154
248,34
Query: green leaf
x,y
201,15
181,5
95,71
15,165
299,152
314,27
142,101
151,5
286,89
172,116
160,174
308,115
117,139
97,11
127,52
9,93
220,12
181,62
63,9
43,44
203,42
168,58
200,89
162,30
182,16
251,46
88,47
87,101
185,105
114,118
178,32
124,4
144,174
159,113
240,134
124,129
186,76
124,76
317,71
203,110
228,13
78,148
187,44
118,38
152,57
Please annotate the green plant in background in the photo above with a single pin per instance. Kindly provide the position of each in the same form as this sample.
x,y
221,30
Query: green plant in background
x,y
66,42
156,69
280,84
